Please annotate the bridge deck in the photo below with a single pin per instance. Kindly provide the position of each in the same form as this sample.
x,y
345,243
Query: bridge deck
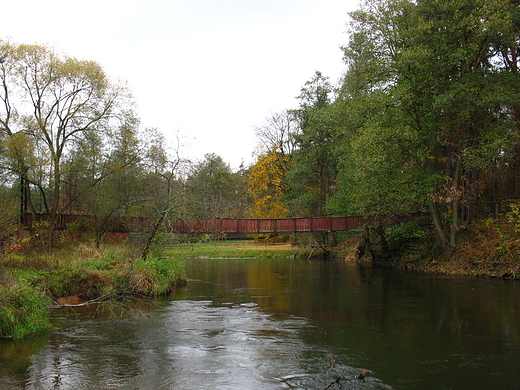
x,y
230,226
273,225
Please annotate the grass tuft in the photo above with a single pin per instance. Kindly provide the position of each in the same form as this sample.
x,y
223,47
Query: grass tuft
x,y
23,310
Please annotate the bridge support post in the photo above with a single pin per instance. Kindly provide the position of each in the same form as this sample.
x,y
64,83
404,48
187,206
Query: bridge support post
x,y
332,238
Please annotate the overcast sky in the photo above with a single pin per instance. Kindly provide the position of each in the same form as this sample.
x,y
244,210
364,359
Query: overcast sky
x,y
209,70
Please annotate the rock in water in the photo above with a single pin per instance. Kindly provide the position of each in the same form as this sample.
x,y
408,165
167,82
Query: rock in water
x,y
362,374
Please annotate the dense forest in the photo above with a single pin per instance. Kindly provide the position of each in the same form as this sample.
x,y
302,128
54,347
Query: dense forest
x,y
424,119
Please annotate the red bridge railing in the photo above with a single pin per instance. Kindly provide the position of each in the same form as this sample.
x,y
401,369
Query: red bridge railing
x,y
273,225
228,225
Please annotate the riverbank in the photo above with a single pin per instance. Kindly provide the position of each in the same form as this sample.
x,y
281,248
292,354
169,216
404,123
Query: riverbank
x,y
490,248
31,283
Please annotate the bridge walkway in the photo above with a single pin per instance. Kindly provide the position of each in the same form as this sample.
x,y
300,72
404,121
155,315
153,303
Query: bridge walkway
x,y
231,226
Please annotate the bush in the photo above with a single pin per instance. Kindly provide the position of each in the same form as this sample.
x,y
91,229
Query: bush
x,y
8,219
407,232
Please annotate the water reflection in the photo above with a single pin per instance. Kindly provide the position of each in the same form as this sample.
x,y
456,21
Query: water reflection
x,y
409,329
265,324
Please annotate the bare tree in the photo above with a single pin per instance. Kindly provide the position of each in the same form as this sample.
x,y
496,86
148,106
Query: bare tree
x,y
277,132
166,189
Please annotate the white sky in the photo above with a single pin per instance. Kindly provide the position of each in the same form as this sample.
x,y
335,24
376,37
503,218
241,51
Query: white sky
x,y
209,70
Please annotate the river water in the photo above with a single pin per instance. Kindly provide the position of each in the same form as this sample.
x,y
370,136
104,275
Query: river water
x,y
278,324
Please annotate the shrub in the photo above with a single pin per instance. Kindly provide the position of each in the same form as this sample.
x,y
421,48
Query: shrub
x,y
407,232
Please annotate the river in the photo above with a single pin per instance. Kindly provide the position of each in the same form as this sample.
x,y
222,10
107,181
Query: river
x,y
278,324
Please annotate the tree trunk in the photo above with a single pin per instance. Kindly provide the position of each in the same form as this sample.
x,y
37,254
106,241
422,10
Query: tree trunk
x,y
385,249
26,204
455,206
440,236
23,199
368,245
151,238
55,204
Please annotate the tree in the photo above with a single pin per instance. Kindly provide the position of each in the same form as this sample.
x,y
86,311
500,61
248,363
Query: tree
x,y
216,191
266,180
164,189
20,161
380,153
311,178
56,101
378,173
267,185
434,64
507,64
278,132
110,174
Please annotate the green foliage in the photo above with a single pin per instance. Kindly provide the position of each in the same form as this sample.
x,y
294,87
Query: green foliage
x,y
70,100
79,226
23,310
429,117
514,216
312,174
378,176
215,190
405,234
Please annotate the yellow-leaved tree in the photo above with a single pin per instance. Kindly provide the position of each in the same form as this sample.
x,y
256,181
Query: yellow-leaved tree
x,y
266,184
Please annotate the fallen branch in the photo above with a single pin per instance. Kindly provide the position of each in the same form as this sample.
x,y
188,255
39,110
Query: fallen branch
x,y
64,305
334,382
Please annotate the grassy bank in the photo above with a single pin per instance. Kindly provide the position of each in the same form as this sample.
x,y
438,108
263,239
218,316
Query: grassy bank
x,y
233,249
32,282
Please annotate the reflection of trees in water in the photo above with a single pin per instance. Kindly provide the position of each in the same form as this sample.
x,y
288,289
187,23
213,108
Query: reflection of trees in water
x,y
343,294
16,358
413,321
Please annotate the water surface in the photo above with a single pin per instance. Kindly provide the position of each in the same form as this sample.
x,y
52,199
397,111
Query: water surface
x,y
277,324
